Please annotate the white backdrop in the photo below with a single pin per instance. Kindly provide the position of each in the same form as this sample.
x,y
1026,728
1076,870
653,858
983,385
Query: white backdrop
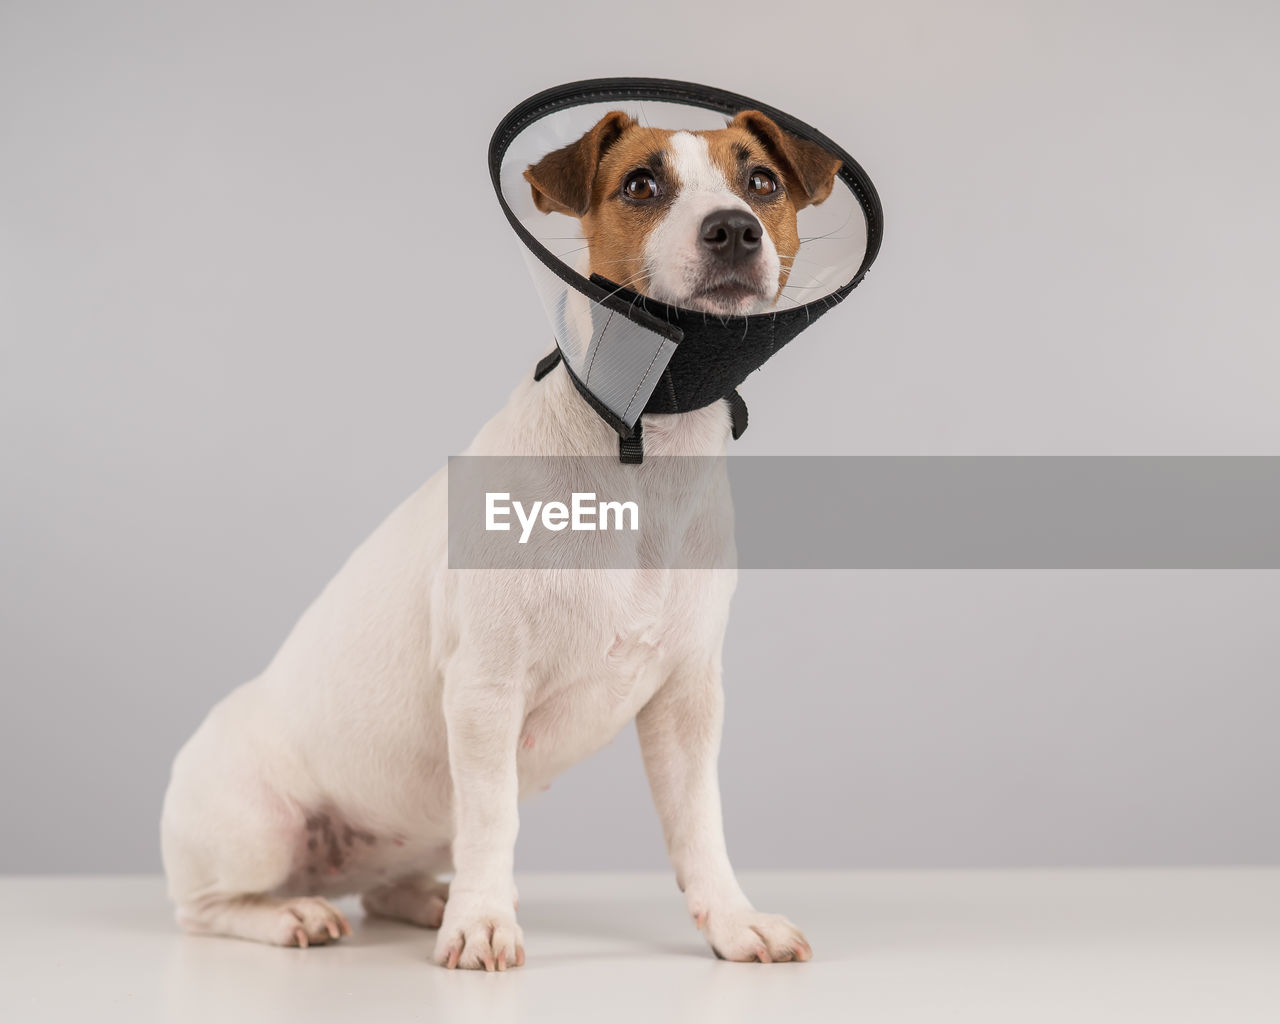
x,y
254,288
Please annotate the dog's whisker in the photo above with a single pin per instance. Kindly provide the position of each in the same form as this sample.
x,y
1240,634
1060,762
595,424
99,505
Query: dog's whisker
x,y
609,263
840,227
805,259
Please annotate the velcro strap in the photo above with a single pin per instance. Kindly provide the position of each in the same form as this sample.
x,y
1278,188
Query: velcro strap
x,y
631,449
737,414
547,363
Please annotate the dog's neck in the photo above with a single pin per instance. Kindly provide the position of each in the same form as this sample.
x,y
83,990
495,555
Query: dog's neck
x,y
549,417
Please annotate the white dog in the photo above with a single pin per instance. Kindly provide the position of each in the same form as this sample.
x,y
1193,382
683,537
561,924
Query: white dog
x,y
412,705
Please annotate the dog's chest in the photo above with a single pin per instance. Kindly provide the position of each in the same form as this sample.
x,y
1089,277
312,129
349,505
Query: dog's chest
x,y
610,658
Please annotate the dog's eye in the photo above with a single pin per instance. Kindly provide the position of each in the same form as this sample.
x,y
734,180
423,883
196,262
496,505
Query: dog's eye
x,y
640,185
762,183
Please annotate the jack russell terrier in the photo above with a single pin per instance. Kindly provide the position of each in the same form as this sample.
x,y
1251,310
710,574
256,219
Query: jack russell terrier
x,y
391,737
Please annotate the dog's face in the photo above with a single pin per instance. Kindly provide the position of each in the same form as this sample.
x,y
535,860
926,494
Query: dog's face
x,y
705,220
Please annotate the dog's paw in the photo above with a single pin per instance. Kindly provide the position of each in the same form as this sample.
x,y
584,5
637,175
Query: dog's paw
x,y
310,921
479,934
748,935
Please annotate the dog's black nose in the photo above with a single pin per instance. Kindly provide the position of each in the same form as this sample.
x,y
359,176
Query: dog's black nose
x,y
732,235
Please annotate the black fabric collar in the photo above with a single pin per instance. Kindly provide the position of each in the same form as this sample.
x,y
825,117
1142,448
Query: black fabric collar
x,y
631,439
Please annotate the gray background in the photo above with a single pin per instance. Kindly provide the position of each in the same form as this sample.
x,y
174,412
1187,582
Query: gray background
x,y
254,288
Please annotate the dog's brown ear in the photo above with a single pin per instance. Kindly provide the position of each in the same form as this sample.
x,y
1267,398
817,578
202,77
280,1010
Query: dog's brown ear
x,y
810,170
562,180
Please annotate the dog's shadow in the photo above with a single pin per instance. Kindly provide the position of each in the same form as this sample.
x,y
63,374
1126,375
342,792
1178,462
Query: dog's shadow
x,y
622,929
592,931
635,929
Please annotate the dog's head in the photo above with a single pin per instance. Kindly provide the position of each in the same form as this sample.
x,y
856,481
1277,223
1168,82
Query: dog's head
x,y
704,219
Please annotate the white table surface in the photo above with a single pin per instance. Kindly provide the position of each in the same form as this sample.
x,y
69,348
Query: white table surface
x,y
1084,947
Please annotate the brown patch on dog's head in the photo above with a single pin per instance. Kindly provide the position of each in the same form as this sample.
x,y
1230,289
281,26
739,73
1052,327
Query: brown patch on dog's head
x,y
637,185
809,169
562,181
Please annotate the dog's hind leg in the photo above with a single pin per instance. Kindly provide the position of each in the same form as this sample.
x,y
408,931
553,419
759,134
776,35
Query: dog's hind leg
x,y
418,899
226,873
233,844
296,921
225,881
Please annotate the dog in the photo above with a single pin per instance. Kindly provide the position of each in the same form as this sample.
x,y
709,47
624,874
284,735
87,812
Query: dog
x,y
390,739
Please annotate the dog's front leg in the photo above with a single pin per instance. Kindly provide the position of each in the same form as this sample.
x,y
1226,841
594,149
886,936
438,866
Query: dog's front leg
x,y
680,738
483,718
